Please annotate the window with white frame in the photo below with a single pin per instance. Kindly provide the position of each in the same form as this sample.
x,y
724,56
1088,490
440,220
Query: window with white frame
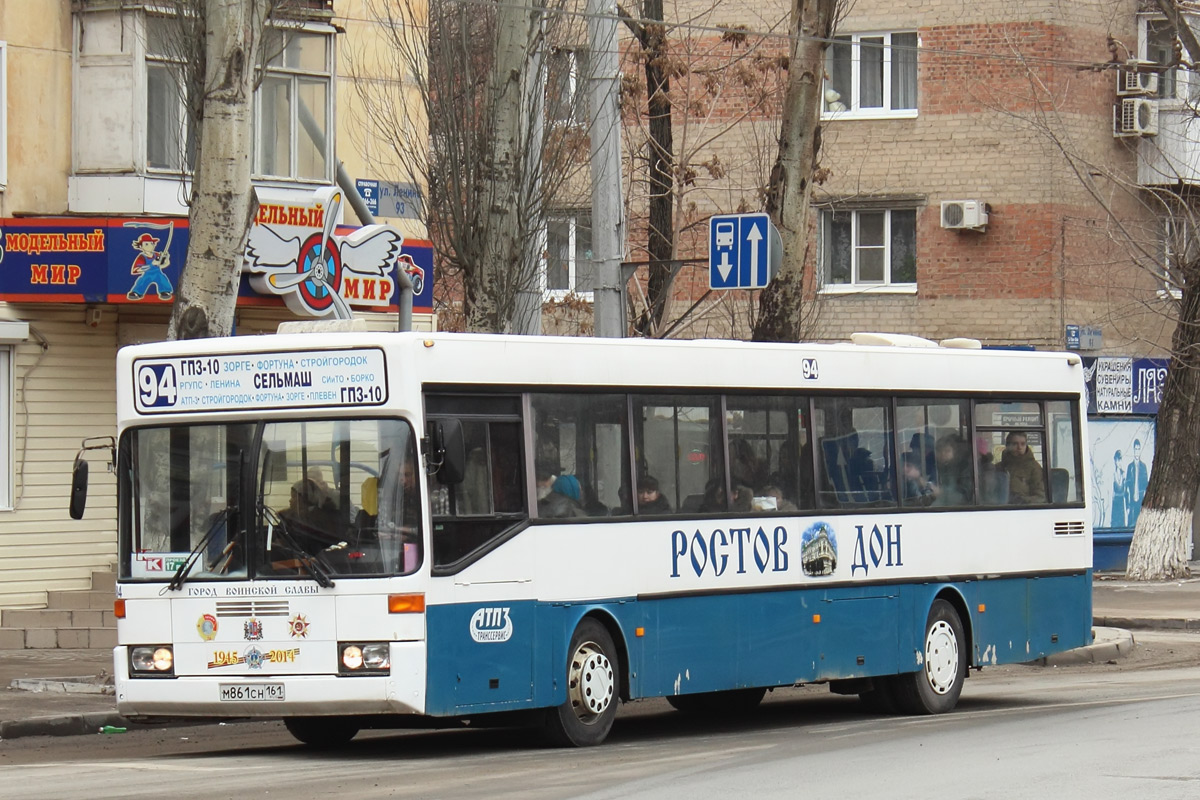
x,y
169,141
871,75
566,86
293,105
569,254
1158,44
865,248
295,108
3,114
1178,247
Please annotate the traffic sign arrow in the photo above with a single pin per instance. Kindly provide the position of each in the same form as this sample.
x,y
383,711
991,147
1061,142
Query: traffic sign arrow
x,y
725,267
754,236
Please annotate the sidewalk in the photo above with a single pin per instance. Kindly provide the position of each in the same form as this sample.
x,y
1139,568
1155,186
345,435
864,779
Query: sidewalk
x,y
69,692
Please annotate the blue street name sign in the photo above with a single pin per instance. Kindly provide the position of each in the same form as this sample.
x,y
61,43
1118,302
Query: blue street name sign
x,y
743,251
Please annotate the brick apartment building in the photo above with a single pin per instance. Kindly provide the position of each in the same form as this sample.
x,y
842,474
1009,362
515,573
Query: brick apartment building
x,y
973,182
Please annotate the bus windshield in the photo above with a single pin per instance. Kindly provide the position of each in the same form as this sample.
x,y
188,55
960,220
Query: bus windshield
x,y
297,498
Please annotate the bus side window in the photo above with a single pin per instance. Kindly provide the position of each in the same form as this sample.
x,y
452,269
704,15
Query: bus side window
x,y
678,442
769,451
491,497
1064,456
581,455
854,437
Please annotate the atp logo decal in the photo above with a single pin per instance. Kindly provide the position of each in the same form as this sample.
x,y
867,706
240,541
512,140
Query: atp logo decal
x,y
311,268
491,625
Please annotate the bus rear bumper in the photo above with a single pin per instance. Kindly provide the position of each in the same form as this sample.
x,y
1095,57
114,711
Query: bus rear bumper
x,y
400,692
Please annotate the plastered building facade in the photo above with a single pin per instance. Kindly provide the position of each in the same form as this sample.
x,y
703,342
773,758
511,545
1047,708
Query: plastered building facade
x,y
89,151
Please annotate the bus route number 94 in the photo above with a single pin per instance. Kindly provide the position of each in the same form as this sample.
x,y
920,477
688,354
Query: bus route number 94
x,y
808,369
157,386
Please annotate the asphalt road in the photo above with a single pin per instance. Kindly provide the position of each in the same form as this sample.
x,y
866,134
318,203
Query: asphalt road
x,y
1075,732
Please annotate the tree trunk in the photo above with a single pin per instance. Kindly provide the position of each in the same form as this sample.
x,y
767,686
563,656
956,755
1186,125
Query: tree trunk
x,y
490,301
1160,539
661,234
223,198
781,305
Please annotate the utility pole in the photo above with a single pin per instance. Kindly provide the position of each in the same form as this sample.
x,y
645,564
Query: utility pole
x,y
608,223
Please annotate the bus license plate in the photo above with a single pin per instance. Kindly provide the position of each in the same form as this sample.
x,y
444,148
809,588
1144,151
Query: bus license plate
x,y
251,692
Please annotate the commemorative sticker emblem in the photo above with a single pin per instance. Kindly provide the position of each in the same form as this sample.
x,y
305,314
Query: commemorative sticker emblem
x,y
253,630
298,627
254,658
206,626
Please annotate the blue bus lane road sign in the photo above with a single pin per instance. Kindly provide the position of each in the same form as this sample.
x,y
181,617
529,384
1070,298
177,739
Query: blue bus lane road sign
x,y
743,251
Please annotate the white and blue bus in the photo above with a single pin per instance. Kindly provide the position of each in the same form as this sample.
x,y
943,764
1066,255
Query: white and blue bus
x,y
371,530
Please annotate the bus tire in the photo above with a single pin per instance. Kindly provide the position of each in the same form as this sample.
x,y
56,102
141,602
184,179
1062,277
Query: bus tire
x,y
935,688
324,733
731,703
592,680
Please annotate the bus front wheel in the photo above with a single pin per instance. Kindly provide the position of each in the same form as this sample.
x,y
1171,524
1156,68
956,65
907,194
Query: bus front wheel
x,y
593,671
935,688
322,732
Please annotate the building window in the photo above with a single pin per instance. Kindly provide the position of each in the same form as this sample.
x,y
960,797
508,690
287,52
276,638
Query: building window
x,y
293,104
869,248
169,141
569,254
566,90
871,75
1158,42
1178,247
3,114
295,108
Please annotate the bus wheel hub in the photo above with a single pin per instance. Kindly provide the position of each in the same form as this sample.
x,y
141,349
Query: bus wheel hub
x,y
590,683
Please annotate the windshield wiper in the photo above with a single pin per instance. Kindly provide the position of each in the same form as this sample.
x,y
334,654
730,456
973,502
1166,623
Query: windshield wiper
x,y
310,561
181,574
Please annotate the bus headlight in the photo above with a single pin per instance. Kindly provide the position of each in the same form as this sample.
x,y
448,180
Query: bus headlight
x,y
362,658
155,659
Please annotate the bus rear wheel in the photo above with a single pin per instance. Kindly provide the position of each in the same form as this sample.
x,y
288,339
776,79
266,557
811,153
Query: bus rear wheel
x,y
322,732
935,688
593,670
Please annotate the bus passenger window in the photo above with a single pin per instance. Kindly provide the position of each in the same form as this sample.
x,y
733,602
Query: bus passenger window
x,y
581,455
938,466
770,457
678,441
1064,454
1014,432
854,436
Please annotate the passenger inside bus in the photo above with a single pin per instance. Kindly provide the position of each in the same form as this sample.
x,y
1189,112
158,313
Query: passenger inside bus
x,y
558,497
650,499
1026,482
955,485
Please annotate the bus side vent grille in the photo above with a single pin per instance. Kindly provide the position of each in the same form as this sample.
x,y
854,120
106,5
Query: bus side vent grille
x,y
1068,529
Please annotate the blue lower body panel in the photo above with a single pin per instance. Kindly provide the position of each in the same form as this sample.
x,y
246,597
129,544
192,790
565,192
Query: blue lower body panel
x,y
513,655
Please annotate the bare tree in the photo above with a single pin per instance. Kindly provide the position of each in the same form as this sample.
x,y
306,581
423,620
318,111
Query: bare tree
x,y
462,113
1141,250
1159,547
782,303
215,50
696,91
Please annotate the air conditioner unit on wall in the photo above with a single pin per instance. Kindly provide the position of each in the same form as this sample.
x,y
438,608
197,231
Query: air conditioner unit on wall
x,y
1135,116
964,215
1138,79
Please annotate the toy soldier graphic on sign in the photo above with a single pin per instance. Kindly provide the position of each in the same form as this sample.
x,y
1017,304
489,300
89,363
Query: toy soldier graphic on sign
x,y
149,264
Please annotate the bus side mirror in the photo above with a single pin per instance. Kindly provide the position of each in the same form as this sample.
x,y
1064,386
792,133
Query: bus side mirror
x,y
450,451
79,481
